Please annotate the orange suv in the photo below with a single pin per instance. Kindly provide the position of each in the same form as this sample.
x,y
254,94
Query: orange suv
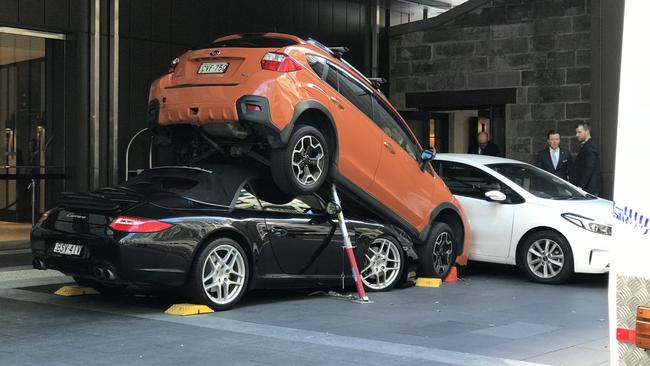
x,y
301,109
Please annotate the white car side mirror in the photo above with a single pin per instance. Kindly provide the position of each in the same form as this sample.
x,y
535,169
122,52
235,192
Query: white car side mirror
x,y
495,196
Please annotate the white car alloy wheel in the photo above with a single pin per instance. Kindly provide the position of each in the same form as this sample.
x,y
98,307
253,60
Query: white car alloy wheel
x,y
545,258
307,160
382,265
224,274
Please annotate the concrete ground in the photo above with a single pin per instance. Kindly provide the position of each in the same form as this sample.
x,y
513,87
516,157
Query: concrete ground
x,y
494,316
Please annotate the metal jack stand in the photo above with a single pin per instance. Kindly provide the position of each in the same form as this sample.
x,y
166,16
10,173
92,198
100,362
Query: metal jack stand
x,y
347,244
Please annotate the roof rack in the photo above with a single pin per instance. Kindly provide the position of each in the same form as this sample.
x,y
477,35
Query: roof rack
x,y
376,82
341,49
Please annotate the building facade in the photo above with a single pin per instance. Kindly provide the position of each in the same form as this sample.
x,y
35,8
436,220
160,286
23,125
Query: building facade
x,y
526,66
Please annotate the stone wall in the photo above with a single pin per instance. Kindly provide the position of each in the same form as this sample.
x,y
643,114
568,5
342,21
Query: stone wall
x,y
540,47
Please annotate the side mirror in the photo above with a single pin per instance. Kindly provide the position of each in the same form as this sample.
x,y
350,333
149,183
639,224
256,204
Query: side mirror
x,y
495,196
332,209
427,155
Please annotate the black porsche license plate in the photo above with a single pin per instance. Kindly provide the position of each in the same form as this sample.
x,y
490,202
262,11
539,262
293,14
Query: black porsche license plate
x,y
67,249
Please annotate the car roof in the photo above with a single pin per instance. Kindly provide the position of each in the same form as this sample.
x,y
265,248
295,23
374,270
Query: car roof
x,y
296,39
321,52
216,183
474,159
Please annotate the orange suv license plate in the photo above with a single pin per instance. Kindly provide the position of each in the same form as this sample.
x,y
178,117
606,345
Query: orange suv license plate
x,y
213,68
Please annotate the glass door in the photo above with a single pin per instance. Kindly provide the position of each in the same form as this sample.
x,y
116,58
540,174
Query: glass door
x,y
31,121
430,128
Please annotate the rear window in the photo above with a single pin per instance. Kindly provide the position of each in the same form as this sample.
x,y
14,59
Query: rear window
x,y
253,41
166,184
219,185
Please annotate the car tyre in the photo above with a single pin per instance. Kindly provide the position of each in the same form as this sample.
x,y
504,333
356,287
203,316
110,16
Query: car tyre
x,y
438,255
220,275
302,166
546,257
383,265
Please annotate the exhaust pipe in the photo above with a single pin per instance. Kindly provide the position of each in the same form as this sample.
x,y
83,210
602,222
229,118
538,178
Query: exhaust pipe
x,y
99,272
39,264
103,273
109,275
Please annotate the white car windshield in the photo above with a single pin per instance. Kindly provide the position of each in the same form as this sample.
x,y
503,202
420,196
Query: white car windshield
x,y
539,182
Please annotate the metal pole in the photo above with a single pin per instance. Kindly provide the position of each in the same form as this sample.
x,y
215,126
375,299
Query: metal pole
x,y
347,244
374,30
95,112
128,149
113,113
33,187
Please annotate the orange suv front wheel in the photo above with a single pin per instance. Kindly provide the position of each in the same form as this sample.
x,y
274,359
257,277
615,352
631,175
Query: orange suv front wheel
x,y
438,254
301,167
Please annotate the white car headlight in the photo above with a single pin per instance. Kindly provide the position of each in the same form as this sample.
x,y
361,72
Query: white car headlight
x,y
588,224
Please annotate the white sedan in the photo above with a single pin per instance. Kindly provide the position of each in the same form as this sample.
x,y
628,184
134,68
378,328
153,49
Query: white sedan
x,y
524,216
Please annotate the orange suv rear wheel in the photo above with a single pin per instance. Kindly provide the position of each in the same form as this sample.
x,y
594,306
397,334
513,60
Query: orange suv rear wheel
x,y
301,167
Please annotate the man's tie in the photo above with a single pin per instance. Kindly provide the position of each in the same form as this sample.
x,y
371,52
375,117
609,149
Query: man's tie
x,y
555,159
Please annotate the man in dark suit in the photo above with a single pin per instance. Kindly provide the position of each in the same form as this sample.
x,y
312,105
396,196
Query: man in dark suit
x,y
587,165
555,159
484,146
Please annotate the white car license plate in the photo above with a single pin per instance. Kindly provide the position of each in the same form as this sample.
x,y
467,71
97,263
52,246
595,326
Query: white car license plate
x,y
67,249
213,68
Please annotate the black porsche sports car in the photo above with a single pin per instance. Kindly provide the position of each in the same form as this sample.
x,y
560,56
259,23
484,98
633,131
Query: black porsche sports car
x,y
216,232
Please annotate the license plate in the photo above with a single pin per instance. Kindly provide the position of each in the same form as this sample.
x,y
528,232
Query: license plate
x,y
67,249
213,68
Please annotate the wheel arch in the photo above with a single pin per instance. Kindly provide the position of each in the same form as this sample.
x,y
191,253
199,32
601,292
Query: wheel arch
x,y
226,232
313,113
448,214
522,240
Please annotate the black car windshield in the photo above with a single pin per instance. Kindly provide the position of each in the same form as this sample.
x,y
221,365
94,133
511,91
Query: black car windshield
x,y
539,182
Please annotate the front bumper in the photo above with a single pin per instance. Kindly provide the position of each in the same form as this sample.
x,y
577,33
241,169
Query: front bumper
x,y
591,252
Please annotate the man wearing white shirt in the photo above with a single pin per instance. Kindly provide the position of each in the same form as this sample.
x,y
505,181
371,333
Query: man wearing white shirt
x,y
555,159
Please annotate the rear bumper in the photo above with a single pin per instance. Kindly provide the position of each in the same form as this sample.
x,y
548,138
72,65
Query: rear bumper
x,y
201,104
112,260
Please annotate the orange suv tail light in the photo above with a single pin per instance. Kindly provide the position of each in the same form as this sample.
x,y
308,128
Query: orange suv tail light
x,y
280,62
138,225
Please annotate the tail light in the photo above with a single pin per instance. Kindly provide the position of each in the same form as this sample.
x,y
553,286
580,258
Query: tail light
x,y
138,225
280,62
45,215
253,107
173,64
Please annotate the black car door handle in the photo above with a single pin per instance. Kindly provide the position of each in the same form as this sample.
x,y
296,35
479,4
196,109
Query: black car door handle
x,y
276,231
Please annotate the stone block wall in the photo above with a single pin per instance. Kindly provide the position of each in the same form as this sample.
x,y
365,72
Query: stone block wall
x,y
540,47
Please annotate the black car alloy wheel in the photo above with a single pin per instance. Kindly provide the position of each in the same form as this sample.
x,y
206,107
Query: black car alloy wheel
x,y
383,264
220,274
